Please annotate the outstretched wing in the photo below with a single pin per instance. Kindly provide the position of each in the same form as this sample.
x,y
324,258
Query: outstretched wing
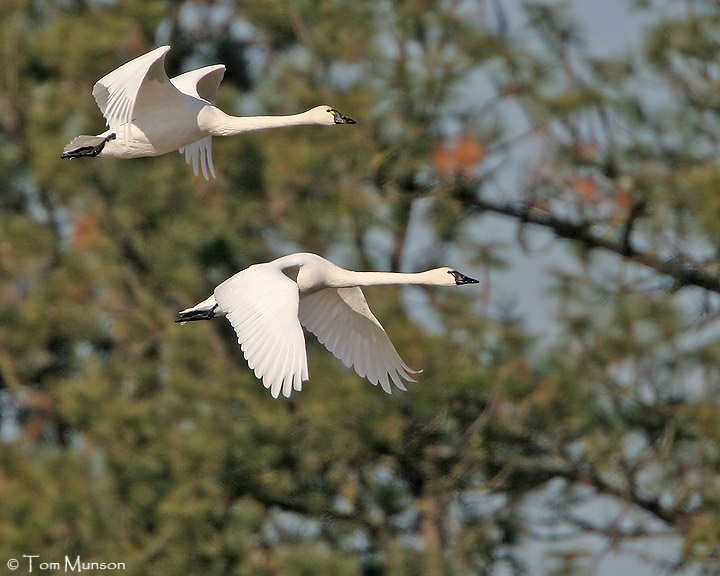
x,y
201,83
342,321
119,93
262,306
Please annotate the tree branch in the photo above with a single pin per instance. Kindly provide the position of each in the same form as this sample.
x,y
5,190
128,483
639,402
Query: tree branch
x,y
684,274
586,474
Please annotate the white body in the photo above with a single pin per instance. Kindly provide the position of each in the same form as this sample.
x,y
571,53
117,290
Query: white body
x,y
268,304
151,114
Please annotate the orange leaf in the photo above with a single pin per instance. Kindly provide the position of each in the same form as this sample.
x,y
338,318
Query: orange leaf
x,y
586,187
468,154
443,162
462,158
86,231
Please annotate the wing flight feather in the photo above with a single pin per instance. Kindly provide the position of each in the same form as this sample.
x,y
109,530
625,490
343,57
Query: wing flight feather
x,y
261,303
200,154
343,322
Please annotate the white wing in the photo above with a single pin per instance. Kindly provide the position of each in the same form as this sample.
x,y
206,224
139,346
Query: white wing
x,y
262,306
120,92
202,83
342,321
200,153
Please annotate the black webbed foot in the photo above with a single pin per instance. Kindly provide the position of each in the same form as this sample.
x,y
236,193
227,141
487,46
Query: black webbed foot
x,y
191,315
86,146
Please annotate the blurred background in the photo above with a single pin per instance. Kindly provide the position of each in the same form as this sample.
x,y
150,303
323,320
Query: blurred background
x,y
566,420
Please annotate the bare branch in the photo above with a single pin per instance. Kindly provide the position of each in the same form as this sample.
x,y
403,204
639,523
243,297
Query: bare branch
x,y
582,472
684,273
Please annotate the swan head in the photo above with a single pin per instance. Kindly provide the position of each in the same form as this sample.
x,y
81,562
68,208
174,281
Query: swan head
x,y
327,115
450,277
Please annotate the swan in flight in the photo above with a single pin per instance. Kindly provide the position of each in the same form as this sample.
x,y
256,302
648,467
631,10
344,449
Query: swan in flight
x,y
149,114
267,305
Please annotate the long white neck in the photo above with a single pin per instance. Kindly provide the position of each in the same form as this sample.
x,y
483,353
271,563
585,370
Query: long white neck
x,y
350,278
217,123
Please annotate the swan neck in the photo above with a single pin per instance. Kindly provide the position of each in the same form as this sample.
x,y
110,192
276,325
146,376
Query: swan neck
x,y
223,124
352,278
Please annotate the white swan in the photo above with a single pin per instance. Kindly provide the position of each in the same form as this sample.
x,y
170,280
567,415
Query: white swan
x,y
267,304
149,114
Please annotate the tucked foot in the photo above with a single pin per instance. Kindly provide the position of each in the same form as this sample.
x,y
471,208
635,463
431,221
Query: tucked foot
x,y
86,146
196,314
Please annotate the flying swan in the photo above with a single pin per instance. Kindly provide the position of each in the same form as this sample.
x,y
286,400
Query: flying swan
x,y
267,305
149,114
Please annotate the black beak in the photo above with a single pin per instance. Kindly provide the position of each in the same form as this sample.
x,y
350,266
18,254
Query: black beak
x,y
462,279
341,118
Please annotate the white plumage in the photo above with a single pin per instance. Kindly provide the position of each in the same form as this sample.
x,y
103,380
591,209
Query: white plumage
x,y
149,114
267,305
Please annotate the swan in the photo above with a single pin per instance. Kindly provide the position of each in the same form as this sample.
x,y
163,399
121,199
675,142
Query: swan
x,y
268,303
149,114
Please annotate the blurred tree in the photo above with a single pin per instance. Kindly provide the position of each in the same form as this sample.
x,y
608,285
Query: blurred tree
x,y
125,437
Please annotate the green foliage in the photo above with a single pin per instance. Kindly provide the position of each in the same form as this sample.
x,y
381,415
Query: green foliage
x,y
145,441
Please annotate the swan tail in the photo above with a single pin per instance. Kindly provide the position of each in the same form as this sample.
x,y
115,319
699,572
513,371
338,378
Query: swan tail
x,y
86,146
